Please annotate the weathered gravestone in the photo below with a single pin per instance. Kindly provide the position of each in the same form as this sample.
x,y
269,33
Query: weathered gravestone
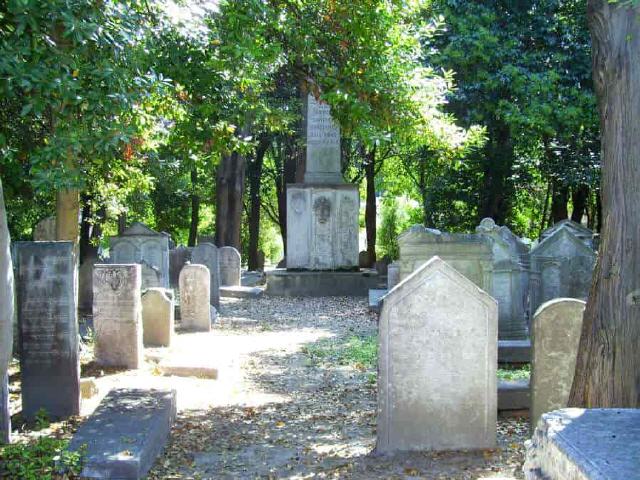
x,y
437,384
207,254
561,266
229,260
556,334
6,320
583,233
126,433
117,315
139,244
510,282
48,328
195,305
157,317
393,275
45,230
85,283
178,258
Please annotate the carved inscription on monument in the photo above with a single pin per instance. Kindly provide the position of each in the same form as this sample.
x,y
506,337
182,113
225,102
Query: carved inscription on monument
x,y
323,144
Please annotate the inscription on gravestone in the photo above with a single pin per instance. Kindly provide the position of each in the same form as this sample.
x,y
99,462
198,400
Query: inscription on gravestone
x,y
48,328
323,144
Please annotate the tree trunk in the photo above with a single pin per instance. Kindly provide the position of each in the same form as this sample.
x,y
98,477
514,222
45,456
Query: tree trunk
x,y
559,201
229,193
496,190
608,358
195,209
254,172
580,200
122,223
67,214
370,212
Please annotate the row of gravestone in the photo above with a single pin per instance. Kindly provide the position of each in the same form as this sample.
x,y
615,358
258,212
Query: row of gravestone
x,y
437,384
521,279
124,320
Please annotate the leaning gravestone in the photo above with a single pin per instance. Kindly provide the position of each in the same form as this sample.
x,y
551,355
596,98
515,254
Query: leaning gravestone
x,y
157,317
207,254
437,384
556,334
139,244
229,259
48,326
117,315
195,307
6,320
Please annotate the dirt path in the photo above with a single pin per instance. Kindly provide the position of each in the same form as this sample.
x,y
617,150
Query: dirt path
x,y
294,400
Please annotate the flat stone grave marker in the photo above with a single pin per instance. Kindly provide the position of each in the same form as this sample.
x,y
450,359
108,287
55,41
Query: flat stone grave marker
x,y
585,444
157,317
437,384
207,254
126,433
48,327
195,307
556,334
229,267
117,315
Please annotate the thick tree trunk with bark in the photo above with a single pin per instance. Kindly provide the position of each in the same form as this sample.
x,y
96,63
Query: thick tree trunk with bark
x,y
67,214
370,211
229,192
254,172
496,195
559,201
608,364
195,209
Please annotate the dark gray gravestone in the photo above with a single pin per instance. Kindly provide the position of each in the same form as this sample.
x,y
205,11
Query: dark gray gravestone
x,y
207,254
126,433
48,329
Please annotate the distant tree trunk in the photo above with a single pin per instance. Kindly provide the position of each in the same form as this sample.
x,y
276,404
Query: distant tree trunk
x,y
580,200
254,172
559,201
122,223
495,201
195,209
608,364
229,193
87,250
543,218
370,212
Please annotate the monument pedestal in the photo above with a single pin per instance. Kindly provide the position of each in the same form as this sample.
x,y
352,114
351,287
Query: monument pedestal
x,y
283,283
322,226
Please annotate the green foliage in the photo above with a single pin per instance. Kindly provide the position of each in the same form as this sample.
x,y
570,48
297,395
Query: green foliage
x,y
389,230
41,419
43,459
514,372
356,351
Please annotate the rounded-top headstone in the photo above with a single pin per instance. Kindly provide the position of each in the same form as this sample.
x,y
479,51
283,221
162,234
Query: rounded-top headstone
x,y
230,261
195,307
157,317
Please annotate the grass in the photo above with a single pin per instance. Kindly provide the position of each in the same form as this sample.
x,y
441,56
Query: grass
x,y
356,351
514,372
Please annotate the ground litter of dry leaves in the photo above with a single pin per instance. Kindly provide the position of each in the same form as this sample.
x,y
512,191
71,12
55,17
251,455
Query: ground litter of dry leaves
x,y
281,412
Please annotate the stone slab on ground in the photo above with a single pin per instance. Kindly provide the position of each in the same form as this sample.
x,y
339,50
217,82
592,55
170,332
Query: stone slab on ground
x,y
585,444
188,371
126,433
375,294
241,292
514,351
283,283
513,395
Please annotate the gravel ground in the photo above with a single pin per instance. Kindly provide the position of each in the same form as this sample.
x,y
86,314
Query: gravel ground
x,y
291,414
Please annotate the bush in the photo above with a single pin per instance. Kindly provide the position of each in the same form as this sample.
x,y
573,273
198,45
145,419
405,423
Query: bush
x,y
45,459
390,228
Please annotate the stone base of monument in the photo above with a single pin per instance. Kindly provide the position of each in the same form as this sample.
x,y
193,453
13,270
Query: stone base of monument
x,y
585,444
288,283
241,292
513,395
126,433
514,351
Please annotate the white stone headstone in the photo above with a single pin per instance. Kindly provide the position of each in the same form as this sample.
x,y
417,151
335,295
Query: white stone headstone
x,y
323,163
195,304
229,261
157,317
7,307
207,254
557,326
437,384
117,315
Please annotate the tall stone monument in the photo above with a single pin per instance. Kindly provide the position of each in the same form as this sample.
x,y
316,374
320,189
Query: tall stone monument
x,y
139,244
322,212
6,320
48,327
437,384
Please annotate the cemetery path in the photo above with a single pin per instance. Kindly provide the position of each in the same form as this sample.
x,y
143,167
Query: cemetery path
x,y
296,398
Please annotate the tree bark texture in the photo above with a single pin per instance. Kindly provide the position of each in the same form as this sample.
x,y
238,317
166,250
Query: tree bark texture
x,y
195,209
229,192
580,201
370,212
608,364
254,172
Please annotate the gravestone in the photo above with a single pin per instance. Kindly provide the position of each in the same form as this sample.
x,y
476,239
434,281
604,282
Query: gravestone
x,y
561,266
229,261
48,329
583,233
85,283
178,258
437,384
7,308
207,254
117,315
45,230
195,305
510,282
139,244
157,317
323,157
393,275
556,334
